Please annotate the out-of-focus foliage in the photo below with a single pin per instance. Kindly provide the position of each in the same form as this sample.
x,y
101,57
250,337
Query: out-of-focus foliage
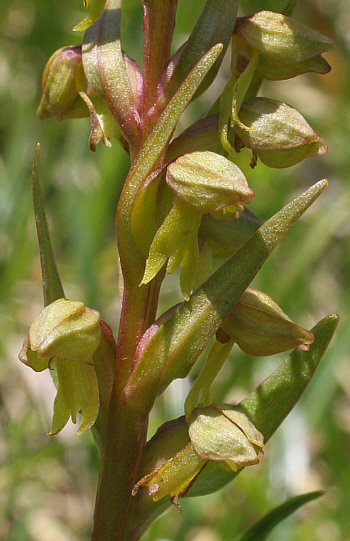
x,y
47,487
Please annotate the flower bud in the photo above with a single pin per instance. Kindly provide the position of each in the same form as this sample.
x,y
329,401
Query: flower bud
x,y
66,329
242,53
208,182
224,433
281,40
59,90
64,338
260,328
277,133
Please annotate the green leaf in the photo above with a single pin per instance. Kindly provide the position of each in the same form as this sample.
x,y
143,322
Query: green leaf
x,y
215,25
261,529
52,285
177,342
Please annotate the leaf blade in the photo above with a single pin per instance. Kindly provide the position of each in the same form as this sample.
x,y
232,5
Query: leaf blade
x,y
52,286
261,529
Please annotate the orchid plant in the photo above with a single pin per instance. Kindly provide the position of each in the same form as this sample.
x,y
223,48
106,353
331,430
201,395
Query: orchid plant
x,y
184,205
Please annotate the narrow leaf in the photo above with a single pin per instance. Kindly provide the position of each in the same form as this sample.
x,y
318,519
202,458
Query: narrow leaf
x,y
215,25
271,402
261,529
52,285
177,342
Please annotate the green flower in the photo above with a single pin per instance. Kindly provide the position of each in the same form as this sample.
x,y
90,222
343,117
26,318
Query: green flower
x,y
63,338
60,95
260,327
219,432
278,135
281,40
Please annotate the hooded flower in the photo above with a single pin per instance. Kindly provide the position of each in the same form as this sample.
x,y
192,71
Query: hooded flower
x,y
220,433
63,338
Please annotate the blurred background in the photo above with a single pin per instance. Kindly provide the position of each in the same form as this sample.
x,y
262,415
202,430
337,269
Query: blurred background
x,y
47,485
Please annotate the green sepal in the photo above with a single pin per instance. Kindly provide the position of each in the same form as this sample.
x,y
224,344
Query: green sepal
x,y
177,342
95,13
28,357
66,329
261,328
261,529
278,134
208,182
317,64
223,433
281,40
52,286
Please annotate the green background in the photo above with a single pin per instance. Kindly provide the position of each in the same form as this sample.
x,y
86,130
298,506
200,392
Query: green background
x,y
47,485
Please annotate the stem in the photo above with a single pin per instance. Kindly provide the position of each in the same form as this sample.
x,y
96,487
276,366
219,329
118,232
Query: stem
x,y
158,28
120,461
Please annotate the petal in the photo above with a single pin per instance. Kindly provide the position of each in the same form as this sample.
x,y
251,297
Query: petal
x,y
77,391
